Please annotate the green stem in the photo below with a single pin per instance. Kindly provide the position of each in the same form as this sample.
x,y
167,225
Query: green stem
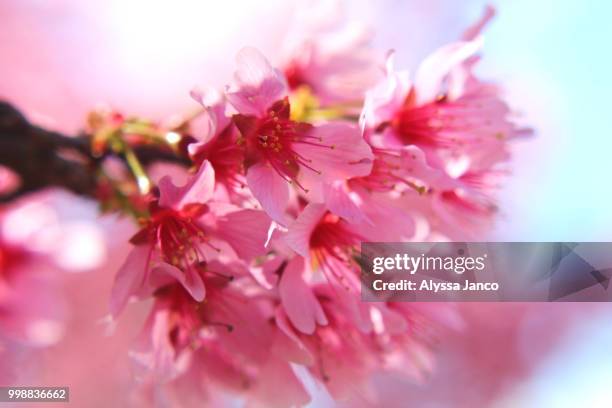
x,y
144,184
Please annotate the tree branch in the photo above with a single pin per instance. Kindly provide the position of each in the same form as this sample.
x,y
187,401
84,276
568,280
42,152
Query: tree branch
x,y
44,158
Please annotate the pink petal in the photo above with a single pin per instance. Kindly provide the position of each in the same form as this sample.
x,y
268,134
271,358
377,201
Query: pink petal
x,y
265,274
246,231
302,307
190,279
207,120
415,164
130,278
391,322
298,236
206,130
354,308
345,153
161,343
257,85
278,386
199,189
285,327
344,202
270,190
213,119
380,210
288,343
474,31
386,98
432,72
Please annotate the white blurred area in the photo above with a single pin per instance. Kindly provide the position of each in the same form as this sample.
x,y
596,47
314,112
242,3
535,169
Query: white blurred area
x,y
142,57
61,58
72,239
578,373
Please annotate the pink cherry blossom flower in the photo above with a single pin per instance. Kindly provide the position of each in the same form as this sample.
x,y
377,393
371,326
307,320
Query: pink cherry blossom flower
x,y
405,167
183,232
217,141
446,111
344,353
279,150
226,344
331,242
329,54
338,355
330,247
367,200
328,242
459,123
295,292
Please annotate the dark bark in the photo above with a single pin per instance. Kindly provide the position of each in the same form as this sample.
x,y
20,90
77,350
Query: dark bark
x,y
44,158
